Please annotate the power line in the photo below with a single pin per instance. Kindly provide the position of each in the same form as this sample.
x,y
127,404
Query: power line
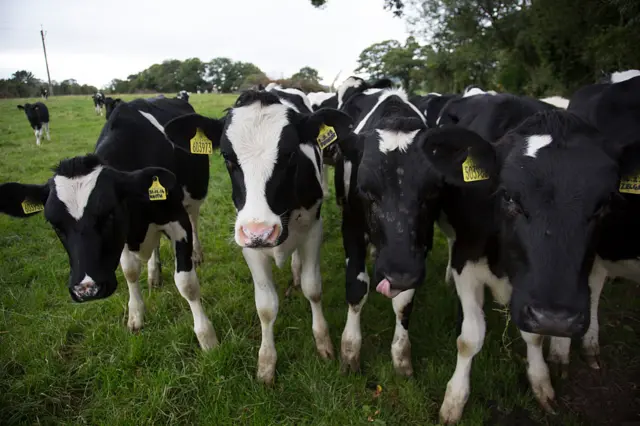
x,y
44,48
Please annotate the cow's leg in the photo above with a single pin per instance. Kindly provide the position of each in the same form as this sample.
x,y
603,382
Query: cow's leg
x,y
311,283
401,345
46,129
448,276
471,294
267,307
357,289
37,132
131,268
186,280
296,271
193,210
325,180
538,371
560,347
154,269
590,341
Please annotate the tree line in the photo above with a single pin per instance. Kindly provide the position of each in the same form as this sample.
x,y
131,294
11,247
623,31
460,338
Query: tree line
x,y
534,47
23,84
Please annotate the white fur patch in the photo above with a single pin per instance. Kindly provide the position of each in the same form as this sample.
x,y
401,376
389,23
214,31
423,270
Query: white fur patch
x,y
347,179
390,140
618,77
254,133
309,152
316,98
557,101
387,93
363,276
473,92
75,192
153,121
535,143
350,82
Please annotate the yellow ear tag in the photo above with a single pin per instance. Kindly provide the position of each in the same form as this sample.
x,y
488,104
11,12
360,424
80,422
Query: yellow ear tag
x,y
471,172
29,207
200,144
630,184
157,191
326,136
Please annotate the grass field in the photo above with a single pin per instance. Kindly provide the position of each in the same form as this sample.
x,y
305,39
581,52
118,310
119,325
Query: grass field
x,y
66,363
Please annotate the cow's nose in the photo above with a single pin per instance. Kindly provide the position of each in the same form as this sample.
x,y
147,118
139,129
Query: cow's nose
x,y
256,234
402,281
560,322
87,288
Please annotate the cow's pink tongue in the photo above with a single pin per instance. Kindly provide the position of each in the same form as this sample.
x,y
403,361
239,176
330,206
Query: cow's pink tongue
x,y
384,287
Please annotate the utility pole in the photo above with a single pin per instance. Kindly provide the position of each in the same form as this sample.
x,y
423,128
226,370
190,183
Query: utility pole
x,y
46,61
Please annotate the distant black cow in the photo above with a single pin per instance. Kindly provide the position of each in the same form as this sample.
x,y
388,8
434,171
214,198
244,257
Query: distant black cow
x,y
115,204
44,93
98,102
273,155
38,116
184,95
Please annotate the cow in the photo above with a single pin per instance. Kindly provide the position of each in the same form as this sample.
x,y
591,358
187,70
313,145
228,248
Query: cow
x,y
98,102
613,107
526,213
184,95
354,85
431,105
38,116
273,156
378,183
44,93
114,205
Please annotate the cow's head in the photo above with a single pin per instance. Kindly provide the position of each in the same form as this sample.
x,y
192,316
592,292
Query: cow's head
x,y
554,178
110,104
273,159
387,170
86,203
32,111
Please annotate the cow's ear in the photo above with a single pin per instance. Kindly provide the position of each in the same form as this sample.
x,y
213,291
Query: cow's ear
x,y
22,200
461,156
326,126
148,184
194,127
21,107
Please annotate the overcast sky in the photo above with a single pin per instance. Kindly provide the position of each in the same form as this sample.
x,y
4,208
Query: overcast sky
x,y
97,41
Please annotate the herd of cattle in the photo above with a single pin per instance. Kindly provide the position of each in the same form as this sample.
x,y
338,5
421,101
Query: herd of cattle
x,y
538,199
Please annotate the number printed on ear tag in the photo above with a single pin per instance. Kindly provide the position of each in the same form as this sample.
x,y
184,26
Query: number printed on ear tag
x,y
630,184
326,136
157,191
472,172
29,207
201,144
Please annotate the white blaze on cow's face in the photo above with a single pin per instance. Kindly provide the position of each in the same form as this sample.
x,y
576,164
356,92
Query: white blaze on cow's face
x,y
74,192
254,135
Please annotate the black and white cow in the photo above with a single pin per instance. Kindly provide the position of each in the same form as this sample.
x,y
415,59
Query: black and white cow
x,y
431,105
379,186
44,93
184,95
115,204
274,162
98,102
38,116
353,85
526,213
612,106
